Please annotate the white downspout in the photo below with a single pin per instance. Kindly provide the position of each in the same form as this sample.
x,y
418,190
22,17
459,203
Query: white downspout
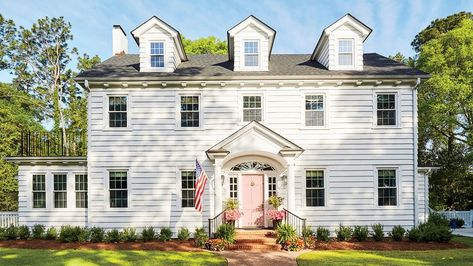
x,y
415,141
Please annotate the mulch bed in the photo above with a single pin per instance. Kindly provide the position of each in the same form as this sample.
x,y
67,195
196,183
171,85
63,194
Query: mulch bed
x,y
174,245
386,244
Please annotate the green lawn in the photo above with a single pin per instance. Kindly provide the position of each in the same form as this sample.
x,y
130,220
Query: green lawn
x,y
10,256
430,257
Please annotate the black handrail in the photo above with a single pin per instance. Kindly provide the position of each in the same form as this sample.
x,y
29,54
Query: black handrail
x,y
50,144
297,222
215,222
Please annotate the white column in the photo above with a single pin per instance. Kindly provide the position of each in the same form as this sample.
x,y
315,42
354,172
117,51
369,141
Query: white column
x,y
291,186
218,185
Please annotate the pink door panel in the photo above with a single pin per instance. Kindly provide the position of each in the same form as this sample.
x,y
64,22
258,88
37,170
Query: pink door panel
x,y
252,201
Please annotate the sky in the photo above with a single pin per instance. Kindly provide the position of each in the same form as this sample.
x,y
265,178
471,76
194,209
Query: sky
x,y
298,23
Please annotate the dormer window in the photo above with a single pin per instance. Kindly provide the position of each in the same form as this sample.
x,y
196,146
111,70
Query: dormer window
x,y
345,52
157,54
251,53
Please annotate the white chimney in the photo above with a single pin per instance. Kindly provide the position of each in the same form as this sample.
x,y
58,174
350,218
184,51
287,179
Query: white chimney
x,y
119,40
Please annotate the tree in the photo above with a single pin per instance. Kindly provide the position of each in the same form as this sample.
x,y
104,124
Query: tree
x,y
446,108
398,57
17,114
7,33
439,27
40,65
207,45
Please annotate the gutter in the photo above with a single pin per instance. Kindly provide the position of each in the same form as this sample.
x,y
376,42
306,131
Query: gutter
x,y
254,77
415,144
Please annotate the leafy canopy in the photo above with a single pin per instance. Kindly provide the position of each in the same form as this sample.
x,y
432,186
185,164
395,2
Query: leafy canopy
x,y
207,45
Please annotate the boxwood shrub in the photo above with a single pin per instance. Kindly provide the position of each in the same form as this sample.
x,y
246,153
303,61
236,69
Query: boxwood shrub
x,y
38,231
97,234
378,232
165,234
322,234
344,233
148,234
360,233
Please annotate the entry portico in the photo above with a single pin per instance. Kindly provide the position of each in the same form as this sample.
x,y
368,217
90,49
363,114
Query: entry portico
x,y
251,155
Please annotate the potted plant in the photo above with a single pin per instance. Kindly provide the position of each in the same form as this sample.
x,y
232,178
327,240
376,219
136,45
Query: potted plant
x,y
275,215
232,212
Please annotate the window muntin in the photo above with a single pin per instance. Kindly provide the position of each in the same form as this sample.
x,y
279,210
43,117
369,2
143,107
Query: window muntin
x,y
190,111
60,191
386,109
345,52
251,54
117,110
387,187
272,186
157,54
233,187
315,188
39,191
252,108
252,165
187,188
81,191
118,187
314,111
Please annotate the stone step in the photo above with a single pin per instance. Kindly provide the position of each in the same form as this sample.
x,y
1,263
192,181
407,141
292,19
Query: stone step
x,y
252,241
268,247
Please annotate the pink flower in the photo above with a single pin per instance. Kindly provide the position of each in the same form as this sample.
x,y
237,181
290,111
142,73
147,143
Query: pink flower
x,y
275,214
232,215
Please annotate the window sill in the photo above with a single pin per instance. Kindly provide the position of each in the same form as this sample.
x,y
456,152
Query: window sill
x,y
386,127
123,129
189,129
314,128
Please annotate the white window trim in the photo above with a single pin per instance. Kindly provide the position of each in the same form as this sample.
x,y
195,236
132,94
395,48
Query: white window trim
x,y
74,189
398,185
354,42
375,109
178,111
30,191
106,116
164,54
326,188
260,61
179,191
240,104
68,189
303,111
107,188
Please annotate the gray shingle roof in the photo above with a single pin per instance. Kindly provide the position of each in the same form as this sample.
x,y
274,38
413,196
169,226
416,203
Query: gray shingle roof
x,y
218,66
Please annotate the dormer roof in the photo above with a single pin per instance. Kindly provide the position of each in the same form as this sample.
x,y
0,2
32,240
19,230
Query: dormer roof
x,y
364,30
249,21
155,21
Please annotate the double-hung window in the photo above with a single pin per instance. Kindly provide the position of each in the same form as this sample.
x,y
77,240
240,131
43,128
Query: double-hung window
x,y
252,108
188,188
233,187
118,189
345,52
157,54
251,54
387,187
314,111
272,186
386,109
60,191
315,188
81,191
117,111
190,111
39,191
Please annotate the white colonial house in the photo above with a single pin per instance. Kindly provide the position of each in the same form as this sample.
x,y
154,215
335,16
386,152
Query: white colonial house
x,y
333,132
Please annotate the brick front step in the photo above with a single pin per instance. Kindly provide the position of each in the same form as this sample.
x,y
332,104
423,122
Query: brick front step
x,y
238,246
254,240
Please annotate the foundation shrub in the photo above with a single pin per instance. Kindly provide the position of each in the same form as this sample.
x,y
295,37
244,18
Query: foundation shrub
x,y
200,237
23,232
51,233
129,234
360,233
226,232
323,234
378,232
148,234
397,233
183,234
165,234
38,231
344,233
113,236
97,234
284,233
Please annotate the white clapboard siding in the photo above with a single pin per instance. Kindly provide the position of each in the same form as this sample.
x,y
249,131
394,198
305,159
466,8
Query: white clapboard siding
x,y
153,150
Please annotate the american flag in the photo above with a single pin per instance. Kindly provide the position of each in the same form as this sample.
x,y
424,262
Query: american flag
x,y
201,180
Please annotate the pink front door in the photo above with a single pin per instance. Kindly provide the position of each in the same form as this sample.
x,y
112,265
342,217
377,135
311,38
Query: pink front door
x,y
252,201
